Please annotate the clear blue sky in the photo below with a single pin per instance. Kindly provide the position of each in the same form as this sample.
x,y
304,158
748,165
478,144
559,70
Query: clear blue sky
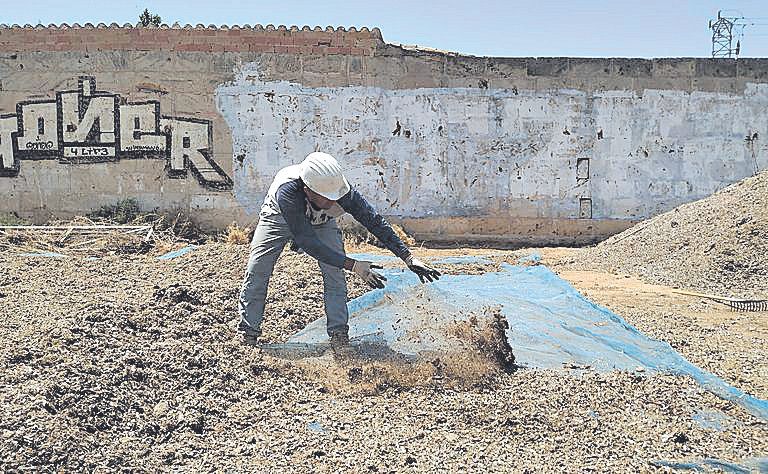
x,y
591,28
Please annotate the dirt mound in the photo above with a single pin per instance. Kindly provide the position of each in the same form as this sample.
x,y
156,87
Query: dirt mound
x,y
718,244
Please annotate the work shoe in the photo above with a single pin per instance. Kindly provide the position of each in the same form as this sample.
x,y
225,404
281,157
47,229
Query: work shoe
x,y
340,345
250,338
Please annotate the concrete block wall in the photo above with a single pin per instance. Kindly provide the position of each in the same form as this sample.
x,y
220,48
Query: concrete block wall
x,y
535,150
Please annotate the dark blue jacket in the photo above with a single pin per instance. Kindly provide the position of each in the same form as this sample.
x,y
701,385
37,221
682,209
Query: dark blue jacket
x,y
292,202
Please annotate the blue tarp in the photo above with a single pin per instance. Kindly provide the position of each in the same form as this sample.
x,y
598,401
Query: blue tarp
x,y
707,465
44,254
551,324
166,256
463,259
177,253
714,420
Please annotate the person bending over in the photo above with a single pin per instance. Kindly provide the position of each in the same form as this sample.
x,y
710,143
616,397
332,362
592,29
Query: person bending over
x,y
302,204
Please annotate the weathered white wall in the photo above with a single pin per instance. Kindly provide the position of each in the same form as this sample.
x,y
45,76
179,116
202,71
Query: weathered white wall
x,y
415,153
431,152
533,150
665,148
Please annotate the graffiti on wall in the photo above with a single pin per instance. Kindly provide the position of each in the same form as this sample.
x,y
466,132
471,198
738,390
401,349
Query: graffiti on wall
x,y
91,126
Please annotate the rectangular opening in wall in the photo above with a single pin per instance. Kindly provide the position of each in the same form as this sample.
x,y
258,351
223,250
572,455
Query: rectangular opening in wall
x,y
585,208
582,169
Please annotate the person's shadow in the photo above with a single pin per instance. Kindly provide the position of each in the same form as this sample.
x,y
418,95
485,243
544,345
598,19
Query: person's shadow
x,y
365,348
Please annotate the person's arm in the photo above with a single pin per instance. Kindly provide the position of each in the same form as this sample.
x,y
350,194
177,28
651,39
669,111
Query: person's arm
x,y
356,205
290,199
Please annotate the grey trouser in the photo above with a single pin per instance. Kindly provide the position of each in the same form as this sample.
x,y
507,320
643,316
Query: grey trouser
x,y
268,241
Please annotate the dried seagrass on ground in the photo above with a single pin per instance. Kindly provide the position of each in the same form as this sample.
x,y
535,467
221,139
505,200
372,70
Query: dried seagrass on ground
x,y
128,362
718,244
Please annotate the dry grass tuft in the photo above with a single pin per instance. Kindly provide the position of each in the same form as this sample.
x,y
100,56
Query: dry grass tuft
x,y
409,241
356,236
237,235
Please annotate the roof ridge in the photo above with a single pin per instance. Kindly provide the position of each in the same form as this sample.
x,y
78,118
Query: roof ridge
x,y
375,31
